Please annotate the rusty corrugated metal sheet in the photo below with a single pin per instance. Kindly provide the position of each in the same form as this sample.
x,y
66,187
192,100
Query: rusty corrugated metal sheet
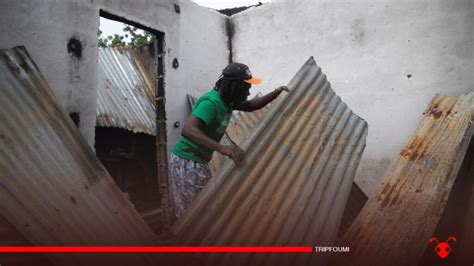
x,y
125,92
295,181
457,219
240,127
52,187
398,220
243,123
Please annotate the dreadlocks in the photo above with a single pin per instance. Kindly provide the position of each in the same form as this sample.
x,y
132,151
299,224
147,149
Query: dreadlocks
x,y
233,92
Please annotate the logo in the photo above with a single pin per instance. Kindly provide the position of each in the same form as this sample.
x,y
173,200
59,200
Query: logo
x,y
331,249
443,248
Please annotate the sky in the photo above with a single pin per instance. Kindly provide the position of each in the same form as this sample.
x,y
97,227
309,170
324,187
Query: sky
x,y
110,27
222,4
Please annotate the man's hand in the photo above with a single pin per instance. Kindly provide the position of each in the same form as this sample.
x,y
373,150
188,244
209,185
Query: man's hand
x,y
259,102
233,151
282,88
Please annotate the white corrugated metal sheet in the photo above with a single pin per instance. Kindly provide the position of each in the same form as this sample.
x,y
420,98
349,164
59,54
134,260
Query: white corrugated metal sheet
x,y
125,92
52,187
293,186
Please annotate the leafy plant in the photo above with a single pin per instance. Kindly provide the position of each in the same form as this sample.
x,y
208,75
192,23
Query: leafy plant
x,y
138,38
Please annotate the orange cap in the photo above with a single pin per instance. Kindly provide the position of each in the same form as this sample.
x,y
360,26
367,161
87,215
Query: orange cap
x,y
239,71
253,80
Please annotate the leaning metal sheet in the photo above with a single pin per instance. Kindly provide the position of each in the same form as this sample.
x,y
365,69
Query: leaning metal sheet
x,y
398,220
53,189
294,183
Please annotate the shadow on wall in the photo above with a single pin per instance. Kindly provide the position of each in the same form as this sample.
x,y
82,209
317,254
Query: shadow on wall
x,y
369,173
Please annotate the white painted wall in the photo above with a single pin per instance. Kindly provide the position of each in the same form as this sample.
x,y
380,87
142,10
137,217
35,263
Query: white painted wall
x,y
367,49
203,53
44,28
196,37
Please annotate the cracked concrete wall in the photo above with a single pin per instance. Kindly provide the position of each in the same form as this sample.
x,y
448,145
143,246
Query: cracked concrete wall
x,y
386,59
61,37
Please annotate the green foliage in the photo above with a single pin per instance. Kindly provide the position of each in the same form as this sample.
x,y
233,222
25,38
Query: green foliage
x,y
138,38
102,41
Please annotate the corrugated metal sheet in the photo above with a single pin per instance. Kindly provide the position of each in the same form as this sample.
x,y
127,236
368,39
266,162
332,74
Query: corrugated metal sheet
x,y
243,123
396,223
52,187
125,92
457,219
240,128
295,181
9,236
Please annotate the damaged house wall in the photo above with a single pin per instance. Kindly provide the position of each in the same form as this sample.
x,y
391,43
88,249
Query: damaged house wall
x,y
386,59
62,39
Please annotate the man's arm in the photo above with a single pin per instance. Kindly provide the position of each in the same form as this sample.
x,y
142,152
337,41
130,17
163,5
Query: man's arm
x,y
192,131
260,102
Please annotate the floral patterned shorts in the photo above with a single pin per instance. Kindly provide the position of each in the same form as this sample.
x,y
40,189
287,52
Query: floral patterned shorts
x,y
188,178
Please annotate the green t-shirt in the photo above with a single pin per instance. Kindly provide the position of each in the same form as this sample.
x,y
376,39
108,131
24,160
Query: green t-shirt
x,y
216,115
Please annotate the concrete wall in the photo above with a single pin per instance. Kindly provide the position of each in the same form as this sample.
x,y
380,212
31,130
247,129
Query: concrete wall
x,y
386,59
196,37
45,28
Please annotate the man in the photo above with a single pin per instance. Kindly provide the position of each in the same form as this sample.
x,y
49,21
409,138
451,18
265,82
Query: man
x,y
204,129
